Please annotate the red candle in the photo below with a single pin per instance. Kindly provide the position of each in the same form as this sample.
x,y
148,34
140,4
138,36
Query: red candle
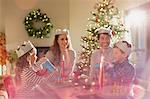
x,y
101,73
63,67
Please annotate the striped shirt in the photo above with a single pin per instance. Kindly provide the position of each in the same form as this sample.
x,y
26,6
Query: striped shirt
x,y
29,80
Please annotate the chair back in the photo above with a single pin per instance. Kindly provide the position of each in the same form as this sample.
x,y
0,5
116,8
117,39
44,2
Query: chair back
x,y
10,87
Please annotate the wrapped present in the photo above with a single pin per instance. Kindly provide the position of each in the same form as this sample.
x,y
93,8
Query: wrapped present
x,y
49,66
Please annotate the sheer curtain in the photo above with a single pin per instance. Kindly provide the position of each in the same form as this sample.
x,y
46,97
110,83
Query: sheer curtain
x,y
138,24
137,21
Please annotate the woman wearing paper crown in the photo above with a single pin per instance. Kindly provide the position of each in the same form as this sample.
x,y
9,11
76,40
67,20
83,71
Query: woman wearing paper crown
x,y
99,56
30,82
61,53
120,77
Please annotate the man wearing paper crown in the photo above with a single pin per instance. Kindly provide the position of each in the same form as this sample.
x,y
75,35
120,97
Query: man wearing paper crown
x,y
26,74
120,77
104,54
104,30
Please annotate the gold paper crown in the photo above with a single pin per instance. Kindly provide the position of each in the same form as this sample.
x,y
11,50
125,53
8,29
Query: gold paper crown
x,y
24,48
64,31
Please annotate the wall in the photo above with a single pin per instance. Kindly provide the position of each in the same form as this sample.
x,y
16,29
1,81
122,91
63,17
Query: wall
x,y
16,10
1,17
79,14
72,14
128,4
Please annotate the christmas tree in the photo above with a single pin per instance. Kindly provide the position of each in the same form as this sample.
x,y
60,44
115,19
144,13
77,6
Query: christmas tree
x,y
105,15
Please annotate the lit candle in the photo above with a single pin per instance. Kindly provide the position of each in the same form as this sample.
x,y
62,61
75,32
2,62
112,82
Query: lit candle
x,y
101,72
1,70
62,66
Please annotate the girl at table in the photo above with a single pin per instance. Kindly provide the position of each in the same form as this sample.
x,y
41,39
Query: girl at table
x,y
61,54
30,80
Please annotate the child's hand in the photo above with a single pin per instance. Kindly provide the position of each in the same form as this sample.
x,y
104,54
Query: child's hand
x,y
41,60
43,72
37,66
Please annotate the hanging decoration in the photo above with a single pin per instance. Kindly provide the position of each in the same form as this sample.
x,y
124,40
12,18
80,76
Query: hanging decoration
x,y
38,24
3,54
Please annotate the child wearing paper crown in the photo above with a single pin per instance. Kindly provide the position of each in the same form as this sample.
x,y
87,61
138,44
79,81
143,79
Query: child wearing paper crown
x,y
120,77
61,54
27,67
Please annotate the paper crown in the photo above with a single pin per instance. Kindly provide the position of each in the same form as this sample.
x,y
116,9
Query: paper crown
x,y
64,31
123,46
24,48
104,30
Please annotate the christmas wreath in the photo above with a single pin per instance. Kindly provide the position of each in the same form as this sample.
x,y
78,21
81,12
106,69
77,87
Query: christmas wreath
x,y
38,24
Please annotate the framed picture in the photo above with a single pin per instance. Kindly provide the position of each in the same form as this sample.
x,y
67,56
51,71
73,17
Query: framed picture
x,y
41,51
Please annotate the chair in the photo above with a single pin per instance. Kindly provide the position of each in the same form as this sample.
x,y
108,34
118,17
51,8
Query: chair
x,y
9,85
3,94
